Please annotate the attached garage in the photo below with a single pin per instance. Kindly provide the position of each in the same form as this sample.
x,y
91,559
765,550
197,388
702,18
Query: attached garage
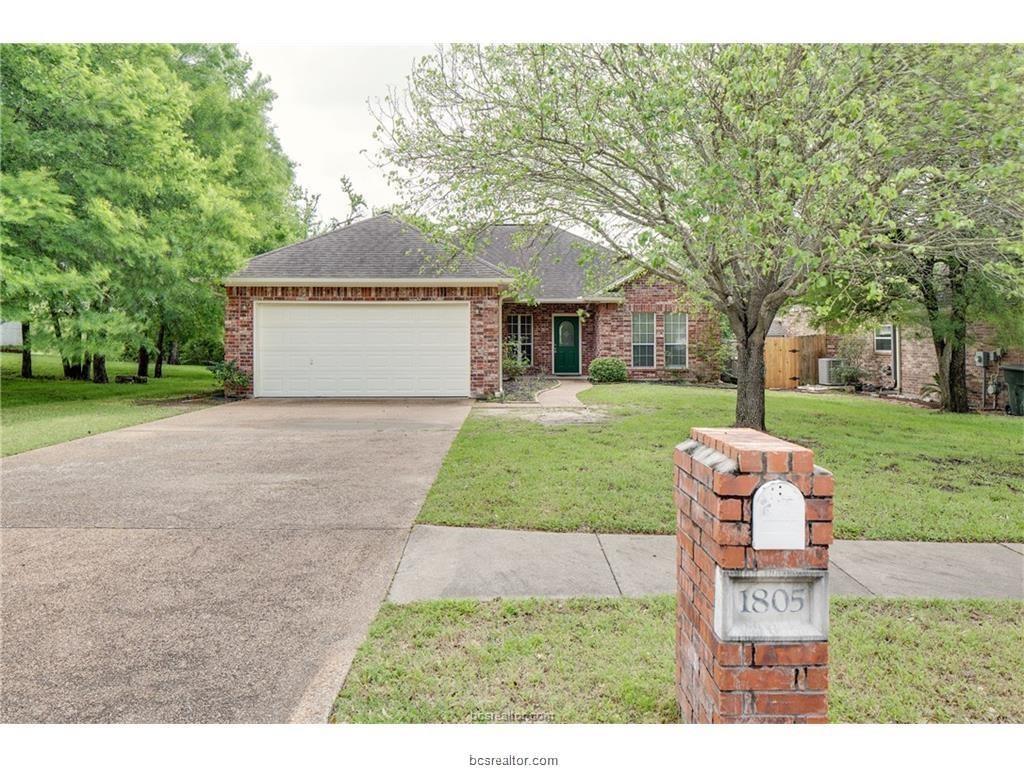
x,y
373,309
361,349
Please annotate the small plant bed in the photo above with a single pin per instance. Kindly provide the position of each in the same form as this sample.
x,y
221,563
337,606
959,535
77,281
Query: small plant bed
x,y
49,409
909,474
524,389
611,661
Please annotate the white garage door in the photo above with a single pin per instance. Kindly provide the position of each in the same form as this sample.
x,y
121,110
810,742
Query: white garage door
x,y
412,349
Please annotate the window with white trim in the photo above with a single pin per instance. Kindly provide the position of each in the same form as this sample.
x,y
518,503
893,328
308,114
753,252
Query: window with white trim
x,y
643,339
677,338
883,338
519,334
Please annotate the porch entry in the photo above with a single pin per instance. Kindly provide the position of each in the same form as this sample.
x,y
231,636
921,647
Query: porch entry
x,y
566,344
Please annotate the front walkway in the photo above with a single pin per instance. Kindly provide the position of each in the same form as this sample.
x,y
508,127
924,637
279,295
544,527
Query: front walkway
x,y
442,562
564,395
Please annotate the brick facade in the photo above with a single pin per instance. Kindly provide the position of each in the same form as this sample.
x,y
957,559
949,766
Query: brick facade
x,y
542,315
606,331
717,473
918,364
984,338
615,337
485,353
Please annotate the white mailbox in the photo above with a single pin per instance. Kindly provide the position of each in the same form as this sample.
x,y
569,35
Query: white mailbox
x,y
778,517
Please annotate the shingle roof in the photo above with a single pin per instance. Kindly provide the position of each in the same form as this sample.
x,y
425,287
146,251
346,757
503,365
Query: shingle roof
x,y
386,248
383,247
566,266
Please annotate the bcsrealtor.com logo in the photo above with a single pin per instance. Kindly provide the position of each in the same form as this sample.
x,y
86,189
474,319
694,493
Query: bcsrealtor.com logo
x,y
512,760
512,717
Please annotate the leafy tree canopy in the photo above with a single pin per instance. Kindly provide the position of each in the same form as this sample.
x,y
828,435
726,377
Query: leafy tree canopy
x,y
744,172
135,178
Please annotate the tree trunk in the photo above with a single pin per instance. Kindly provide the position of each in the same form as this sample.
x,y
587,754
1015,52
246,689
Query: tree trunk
x,y
26,351
99,370
956,395
158,366
174,356
750,381
58,333
949,335
78,371
143,362
956,377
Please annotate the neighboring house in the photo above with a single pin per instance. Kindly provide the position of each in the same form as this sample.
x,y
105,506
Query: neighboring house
x,y
902,359
10,333
373,310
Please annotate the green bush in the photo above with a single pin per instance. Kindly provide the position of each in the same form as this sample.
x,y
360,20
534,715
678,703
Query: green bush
x,y
605,370
512,366
229,375
200,352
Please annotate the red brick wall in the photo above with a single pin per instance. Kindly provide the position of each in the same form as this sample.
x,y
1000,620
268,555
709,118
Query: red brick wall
x,y
918,364
485,358
615,339
717,472
542,314
984,338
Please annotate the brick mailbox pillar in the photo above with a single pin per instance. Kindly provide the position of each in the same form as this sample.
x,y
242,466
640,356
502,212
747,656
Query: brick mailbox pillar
x,y
754,522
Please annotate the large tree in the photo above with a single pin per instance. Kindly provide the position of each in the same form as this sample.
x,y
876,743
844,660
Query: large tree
x,y
956,251
742,172
171,176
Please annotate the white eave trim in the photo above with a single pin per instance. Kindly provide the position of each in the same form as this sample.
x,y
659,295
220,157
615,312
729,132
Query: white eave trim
x,y
581,300
338,282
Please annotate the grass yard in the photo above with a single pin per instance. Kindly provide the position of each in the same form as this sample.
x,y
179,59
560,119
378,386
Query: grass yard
x,y
901,472
48,409
611,660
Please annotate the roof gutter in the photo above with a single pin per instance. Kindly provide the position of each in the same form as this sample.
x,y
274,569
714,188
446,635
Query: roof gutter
x,y
583,300
341,282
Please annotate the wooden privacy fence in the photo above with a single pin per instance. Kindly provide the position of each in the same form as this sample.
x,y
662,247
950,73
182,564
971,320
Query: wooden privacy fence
x,y
792,360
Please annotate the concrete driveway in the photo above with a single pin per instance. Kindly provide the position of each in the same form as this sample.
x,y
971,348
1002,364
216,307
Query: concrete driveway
x,y
222,565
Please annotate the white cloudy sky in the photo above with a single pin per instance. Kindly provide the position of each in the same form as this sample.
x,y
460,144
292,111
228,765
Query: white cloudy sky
x,y
321,113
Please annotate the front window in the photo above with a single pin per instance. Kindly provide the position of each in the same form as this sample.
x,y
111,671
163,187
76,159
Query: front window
x,y
676,340
643,340
883,338
519,333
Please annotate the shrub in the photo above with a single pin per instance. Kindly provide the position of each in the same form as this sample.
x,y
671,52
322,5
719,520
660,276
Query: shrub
x,y
605,370
932,392
854,358
200,352
229,375
512,366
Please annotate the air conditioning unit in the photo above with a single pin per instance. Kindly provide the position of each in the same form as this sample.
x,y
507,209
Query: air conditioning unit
x,y
826,366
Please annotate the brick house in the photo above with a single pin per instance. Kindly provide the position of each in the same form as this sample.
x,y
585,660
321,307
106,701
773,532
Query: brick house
x,y
375,310
902,359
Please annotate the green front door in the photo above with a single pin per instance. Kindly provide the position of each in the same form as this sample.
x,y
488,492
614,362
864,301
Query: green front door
x,y
567,344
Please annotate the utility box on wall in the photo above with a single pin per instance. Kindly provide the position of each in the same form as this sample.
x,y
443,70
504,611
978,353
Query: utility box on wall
x,y
754,522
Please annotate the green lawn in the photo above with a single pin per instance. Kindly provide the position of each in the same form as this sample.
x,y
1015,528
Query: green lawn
x,y
901,472
47,409
611,660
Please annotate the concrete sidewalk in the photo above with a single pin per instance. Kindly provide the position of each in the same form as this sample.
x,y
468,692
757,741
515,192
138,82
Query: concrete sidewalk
x,y
444,562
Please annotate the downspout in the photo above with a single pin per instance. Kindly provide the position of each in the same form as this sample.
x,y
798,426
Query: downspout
x,y
897,359
501,347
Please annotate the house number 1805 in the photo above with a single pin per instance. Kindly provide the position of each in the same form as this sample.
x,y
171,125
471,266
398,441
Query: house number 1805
x,y
778,600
